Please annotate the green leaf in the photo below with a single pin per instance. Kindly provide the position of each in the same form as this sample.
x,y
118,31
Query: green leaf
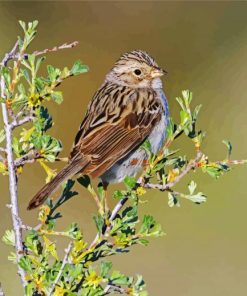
x,y
26,75
33,243
26,264
29,290
187,96
105,267
170,129
181,103
2,135
74,231
44,121
198,198
78,68
172,200
65,73
192,187
6,75
16,145
196,112
53,73
9,237
118,278
184,117
12,257
38,63
57,97
147,147
118,194
149,227
23,25
99,221
215,170
84,181
130,182
76,271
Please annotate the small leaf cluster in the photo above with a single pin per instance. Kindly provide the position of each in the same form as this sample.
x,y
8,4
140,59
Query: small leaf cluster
x,y
27,92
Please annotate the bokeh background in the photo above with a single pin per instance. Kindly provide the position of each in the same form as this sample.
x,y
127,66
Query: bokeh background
x,y
203,46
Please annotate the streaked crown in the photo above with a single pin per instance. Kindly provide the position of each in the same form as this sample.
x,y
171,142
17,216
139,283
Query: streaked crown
x,y
137,55
136,69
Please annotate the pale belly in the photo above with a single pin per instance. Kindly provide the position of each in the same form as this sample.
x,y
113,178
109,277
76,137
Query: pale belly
x,y
132,163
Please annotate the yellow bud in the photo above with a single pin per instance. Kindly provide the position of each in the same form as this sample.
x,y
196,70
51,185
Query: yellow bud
x,y
140,191
172,175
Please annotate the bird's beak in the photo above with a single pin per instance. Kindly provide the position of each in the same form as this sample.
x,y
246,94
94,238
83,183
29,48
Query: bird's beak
x,y
157,72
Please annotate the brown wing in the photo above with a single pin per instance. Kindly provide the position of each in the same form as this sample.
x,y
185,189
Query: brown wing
x,y
118,120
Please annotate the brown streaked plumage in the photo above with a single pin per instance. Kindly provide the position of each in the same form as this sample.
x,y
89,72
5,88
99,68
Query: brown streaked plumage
x,y
125,111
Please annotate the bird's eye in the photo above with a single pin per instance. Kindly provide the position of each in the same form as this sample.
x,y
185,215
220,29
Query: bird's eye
x,y
138,72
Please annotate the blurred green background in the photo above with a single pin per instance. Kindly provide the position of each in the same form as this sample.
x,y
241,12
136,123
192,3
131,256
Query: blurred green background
x,y
203,46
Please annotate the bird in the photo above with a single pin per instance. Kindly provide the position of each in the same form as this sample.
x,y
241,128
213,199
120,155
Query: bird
x,y
129,108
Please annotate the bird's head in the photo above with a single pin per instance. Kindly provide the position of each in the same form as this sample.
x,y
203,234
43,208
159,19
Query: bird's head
x,y
136,69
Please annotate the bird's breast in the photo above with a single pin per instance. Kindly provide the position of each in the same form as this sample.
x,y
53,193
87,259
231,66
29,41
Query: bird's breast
x,y
157,136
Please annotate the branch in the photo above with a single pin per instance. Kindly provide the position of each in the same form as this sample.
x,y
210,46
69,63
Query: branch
x,y
12,175
30,157
13,55
20,122
114,288
9,56
114,213
55,48
232,162
65,261
191,165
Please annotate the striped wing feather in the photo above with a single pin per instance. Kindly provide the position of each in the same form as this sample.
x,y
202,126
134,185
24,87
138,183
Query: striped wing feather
x,y
124,121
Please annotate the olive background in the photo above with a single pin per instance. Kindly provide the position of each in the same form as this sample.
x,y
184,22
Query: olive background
x,y
203,46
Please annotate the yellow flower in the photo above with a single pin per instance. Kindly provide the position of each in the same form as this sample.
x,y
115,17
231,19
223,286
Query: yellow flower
x,y
79,245
140,191
33,100
38,281
50,247
43,214
59,291
19,170
93,279
172,175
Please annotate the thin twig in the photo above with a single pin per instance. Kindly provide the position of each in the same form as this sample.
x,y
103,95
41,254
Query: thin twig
x,y
114,213
232,162
30,157
20,122
110,287
65,261
55,48
12,175
9,56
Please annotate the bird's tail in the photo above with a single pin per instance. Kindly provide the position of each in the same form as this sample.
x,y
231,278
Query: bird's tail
x,y
71,169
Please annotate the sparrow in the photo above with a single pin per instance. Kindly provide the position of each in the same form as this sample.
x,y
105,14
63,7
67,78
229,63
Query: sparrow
x,y
129,108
